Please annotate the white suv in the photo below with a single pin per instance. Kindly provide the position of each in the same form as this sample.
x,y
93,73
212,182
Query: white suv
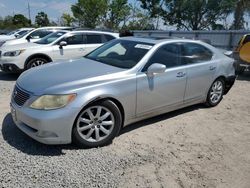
x,y
33,36
14,34
59,45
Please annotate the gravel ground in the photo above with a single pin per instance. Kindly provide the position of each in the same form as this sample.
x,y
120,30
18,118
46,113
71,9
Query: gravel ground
x,y
192,147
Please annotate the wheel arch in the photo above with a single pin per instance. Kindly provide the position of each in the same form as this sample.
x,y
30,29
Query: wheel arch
x,y
37,55
111,98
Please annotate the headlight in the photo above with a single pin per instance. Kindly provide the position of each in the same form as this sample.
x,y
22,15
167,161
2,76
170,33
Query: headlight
x,y
13,53
52,102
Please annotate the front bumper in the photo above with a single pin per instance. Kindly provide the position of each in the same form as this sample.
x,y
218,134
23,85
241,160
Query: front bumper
x,y
48,127
11,64
10,68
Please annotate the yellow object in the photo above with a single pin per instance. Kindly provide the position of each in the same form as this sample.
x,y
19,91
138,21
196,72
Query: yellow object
x,y
245,52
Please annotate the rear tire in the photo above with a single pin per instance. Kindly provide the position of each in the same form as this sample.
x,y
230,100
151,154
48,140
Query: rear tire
x,y
97,124
36,62
215,93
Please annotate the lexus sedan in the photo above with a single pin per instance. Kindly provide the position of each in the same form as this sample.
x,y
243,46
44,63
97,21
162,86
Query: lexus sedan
x,y
88,101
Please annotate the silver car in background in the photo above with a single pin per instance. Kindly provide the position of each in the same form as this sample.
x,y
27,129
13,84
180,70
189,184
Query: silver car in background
x,y
126,80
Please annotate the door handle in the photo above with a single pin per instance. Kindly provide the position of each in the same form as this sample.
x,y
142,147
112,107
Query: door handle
x,y
212,68
180,74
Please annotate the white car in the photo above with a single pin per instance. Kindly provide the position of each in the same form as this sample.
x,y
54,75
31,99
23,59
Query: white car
x,y
14,34
59,45
33,36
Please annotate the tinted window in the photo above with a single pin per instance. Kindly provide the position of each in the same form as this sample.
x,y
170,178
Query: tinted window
x,y
168,55
195,53
94,39
108,38
51,37
74,40
39,34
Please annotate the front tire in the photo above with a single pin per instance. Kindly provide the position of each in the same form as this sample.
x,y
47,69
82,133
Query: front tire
x,y
97,124
215,93
36,62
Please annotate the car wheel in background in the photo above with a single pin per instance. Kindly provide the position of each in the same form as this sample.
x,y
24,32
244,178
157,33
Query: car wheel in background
x,y
97,124
216,92
36,62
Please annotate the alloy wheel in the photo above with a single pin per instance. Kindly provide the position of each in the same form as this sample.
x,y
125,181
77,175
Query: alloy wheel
x,y
216,92
95,123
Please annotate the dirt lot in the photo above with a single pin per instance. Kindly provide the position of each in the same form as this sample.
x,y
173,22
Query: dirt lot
x,y
193,147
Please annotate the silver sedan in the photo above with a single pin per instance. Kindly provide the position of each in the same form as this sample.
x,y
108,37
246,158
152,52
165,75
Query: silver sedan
x,y
87,101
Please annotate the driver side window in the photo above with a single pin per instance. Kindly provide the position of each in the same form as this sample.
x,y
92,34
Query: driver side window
x,y
74,39
168,55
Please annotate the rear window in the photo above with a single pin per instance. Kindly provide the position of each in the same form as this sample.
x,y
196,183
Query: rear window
x,y
108,38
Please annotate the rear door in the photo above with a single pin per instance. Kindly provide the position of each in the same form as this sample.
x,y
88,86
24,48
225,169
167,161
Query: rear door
x,y
201,68
93,41
74,49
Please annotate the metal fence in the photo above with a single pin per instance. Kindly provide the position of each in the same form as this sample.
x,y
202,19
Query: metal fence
x,y
220,39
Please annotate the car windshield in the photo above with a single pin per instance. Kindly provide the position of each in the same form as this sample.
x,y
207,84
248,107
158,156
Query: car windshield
x,y
121,53
51,37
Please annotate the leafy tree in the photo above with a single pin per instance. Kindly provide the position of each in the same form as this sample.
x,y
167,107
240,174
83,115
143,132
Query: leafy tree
x,y
42,19
89,13
240,9
189,14
154,8
8,22
118,12
196,14
67,19
139,20
21,21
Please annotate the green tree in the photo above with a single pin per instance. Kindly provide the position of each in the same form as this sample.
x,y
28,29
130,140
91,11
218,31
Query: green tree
x,y
8,22
21,21
196,14
154,9
42,19
118,12
139,20
67,19
241,6
189,14
89,13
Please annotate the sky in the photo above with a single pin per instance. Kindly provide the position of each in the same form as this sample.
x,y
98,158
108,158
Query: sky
x,y
54,8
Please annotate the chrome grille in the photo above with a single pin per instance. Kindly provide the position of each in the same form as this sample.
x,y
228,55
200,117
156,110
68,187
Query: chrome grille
x,y
20,96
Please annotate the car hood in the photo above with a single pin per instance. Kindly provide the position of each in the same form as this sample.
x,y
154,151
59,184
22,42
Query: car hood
x,y
6,37
61,77
16,41
20,46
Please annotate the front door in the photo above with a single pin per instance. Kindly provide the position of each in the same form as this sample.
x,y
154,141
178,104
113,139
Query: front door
x,y
74,49
163,89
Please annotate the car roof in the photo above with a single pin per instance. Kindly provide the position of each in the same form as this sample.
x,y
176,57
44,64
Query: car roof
x,y
94,31
157,40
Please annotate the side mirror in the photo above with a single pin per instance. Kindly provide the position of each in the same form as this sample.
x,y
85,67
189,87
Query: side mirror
x,y
62,43
156,68
16,35
28,38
